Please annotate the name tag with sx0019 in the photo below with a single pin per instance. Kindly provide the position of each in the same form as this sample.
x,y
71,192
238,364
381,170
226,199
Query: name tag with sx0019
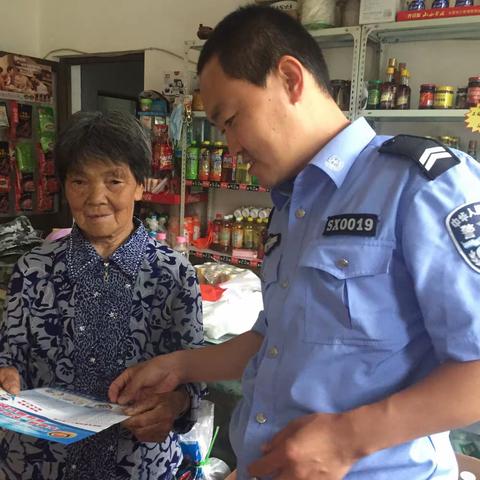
x,y
359,224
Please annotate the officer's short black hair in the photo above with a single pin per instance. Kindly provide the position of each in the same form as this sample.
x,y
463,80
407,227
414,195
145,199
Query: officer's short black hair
x,y
250,41
114,136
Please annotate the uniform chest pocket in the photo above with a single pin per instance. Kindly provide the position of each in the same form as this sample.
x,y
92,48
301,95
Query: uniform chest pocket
x,y
349,293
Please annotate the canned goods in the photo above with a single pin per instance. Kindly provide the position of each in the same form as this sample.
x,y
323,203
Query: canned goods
x,y
461,98
473,93
443,97
373,100
440,4
464,3
416,5
427,93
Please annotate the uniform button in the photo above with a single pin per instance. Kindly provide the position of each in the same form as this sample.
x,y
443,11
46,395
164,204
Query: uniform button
x,y
300,213
285,284
112,315
120,362
342,263
81,328
74,467
273,352
96,294
127,285
92,359
260,418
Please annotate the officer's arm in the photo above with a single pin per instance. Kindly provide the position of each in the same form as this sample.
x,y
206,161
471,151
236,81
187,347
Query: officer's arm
x,y
164,373
446,399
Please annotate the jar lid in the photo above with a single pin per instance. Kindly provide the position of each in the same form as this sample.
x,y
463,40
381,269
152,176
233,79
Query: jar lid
x,y
474,79
447,88
428,85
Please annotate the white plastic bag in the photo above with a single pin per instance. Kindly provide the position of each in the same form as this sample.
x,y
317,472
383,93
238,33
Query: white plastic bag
x,y
318,13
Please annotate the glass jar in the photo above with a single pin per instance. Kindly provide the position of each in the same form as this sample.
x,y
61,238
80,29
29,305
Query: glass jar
x,y
373,101
427,93
416,5
473,94
461,98
443,98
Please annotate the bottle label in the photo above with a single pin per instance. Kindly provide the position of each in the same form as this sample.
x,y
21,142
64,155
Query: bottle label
x,y
402,100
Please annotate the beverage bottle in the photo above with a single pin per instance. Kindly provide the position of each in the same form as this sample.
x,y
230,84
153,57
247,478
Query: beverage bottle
x,y
403,92
196,227
193,156
242,170
472,149
181,246
261,232
226,233
204,162
216,229
388,91
248,234
227,167
162,238
237,233
216,162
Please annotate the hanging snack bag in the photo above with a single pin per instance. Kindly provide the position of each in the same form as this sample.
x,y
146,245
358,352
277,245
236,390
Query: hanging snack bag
x,y
4,123
24,125
24,156
46,127
4,159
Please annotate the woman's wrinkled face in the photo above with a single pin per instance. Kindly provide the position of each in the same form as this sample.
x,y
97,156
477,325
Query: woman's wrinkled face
x,y
101,195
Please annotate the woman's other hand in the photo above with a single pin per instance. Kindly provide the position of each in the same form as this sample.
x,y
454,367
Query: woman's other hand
x,y
153,415
10,380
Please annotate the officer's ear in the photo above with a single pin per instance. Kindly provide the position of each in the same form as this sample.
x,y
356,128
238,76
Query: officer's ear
x,y
291,73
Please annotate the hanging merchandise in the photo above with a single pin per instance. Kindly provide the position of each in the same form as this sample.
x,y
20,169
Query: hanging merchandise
x,y
464,3
24,124
4,123
440,4
416,5
317,14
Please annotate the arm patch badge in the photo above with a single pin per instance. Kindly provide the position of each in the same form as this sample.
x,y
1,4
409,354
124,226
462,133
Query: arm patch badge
x,y
463,225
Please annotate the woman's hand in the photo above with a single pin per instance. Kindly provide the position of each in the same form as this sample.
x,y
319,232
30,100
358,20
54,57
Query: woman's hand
x,y
10,380
154,414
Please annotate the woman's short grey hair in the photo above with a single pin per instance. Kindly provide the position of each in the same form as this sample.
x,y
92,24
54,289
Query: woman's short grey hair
x,y
114,136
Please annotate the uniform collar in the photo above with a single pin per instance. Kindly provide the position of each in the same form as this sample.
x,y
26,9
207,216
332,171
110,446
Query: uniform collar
x,y
335,159
82,257
339,154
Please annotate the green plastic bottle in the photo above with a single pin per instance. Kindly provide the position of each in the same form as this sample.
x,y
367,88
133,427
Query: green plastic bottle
x,y
193,156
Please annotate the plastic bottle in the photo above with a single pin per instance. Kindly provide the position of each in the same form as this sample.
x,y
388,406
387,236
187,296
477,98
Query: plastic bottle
x,y
237,233
262,233
217,227
242,175
248,234
226,233
152,233
193,156
204,163
181,246
227,167
162,238
216,162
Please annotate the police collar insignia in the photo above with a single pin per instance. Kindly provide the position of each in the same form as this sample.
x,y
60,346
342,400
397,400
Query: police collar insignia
x,y
358,224
272,241
432,156
463,225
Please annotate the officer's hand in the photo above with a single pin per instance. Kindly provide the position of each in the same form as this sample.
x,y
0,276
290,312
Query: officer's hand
x,y
153,414
314,446
162,372
10,380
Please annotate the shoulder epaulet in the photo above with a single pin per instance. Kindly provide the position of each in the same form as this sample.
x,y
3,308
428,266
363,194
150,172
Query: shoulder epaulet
x,y
433,157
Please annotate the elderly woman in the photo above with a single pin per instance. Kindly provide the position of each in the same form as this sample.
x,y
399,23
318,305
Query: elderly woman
x,y
82,309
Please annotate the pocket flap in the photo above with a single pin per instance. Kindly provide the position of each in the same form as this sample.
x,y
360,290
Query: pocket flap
x,y
348,260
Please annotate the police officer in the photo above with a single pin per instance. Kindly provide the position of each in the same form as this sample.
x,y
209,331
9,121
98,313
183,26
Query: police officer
x,y
368,345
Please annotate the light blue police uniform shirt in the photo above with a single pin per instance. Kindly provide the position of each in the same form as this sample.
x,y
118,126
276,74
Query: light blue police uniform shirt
x,y
349,319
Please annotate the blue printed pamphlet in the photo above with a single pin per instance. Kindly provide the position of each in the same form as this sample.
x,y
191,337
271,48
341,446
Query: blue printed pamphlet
x,y
56,415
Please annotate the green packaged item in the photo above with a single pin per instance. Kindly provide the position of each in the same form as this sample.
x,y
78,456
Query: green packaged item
x,y
47,143
46,120
193,156
24,156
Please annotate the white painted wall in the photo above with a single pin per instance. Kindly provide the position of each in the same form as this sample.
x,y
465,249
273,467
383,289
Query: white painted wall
x,y
94,26
19,32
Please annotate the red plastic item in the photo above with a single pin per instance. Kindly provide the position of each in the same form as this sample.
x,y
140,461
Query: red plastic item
x,y
211,293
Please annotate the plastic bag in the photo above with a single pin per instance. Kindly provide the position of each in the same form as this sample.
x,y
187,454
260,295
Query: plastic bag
x,y
196,447
318,13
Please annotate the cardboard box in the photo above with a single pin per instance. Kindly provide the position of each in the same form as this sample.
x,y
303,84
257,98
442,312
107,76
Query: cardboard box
x,y
378,11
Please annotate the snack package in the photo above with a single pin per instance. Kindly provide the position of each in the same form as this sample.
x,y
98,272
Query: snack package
x,y
4,123
46,128
24,156
24,125
4,203
4,158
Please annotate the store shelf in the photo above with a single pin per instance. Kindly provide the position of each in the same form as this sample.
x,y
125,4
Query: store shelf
x,y
223,257
226,186
172,199
428,115
453,28
336,37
